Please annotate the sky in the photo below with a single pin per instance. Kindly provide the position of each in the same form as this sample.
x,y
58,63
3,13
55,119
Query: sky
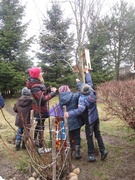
x,y
35,12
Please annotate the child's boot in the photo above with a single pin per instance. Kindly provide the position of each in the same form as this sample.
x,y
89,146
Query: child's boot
x,y
77,152
104,154
91,158
23,145
18,143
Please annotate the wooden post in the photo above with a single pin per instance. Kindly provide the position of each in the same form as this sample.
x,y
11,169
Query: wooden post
x,y
32,124
53,150
67,140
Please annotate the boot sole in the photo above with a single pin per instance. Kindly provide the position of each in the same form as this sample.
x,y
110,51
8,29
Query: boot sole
x,y
91,160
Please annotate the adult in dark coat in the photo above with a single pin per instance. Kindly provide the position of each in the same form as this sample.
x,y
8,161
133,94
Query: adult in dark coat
x,y
22,107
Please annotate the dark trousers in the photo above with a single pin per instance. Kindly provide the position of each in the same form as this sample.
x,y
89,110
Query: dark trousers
x,y
74,135
91,129
39,131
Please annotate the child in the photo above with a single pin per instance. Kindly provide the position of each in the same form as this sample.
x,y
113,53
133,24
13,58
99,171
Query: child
x,y
22,107
70,100
1,102
41,95
87,101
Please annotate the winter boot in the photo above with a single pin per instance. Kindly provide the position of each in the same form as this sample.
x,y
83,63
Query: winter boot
x,y
77,152
18,143
91,158
104,154
23,145
72,150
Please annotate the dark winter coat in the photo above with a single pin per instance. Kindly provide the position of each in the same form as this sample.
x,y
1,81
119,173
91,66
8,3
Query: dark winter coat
x,y
40,95
23,107
70,100
86,102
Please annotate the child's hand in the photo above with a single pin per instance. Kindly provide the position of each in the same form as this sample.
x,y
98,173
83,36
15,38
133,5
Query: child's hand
x,y
53,89
87,69
66,115
77,80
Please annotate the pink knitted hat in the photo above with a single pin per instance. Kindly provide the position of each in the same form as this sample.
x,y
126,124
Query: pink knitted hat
x,y
64,88
35,72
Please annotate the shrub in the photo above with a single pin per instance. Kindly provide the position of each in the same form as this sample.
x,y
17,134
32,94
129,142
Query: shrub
x,y
119,99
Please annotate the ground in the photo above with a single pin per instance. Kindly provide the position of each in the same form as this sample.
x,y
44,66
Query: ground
x,y
119,164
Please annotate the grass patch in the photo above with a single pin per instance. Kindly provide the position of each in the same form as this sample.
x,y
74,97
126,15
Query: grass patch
x,y
119,140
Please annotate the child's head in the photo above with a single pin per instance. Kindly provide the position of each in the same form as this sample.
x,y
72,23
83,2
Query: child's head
x,y
85,89
64,88
36,73
26,92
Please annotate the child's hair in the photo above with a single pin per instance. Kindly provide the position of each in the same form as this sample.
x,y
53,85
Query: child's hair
x,y
64,88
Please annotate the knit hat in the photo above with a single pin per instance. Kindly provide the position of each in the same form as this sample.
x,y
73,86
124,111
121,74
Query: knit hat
x,y
26,92
85,89
64,88
34,72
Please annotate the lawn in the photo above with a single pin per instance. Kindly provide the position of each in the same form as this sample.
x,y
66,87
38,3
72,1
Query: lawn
x,y
118,138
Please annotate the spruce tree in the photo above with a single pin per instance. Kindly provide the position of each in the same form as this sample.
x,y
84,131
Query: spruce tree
x,y
56,46
13,44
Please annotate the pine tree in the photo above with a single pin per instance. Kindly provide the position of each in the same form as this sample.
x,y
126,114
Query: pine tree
x,y
13,45
56,45
102,68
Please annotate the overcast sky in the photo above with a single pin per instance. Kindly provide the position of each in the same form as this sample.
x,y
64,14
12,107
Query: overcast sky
x,y
36,11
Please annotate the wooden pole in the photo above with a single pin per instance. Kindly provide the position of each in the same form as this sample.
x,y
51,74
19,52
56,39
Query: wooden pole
x,y
32,124
53,149
67,140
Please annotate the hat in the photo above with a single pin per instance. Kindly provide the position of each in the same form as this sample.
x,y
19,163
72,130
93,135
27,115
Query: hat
x,y
26,92
34,72
85,89
64,88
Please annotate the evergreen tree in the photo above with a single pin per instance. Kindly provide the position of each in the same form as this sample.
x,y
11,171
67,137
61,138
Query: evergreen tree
x,y
10,79
120,28
14,60
102,68
112,43
56,45
13,45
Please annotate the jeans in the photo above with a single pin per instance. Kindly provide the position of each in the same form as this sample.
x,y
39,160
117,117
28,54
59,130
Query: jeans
x,y
19,133
90,129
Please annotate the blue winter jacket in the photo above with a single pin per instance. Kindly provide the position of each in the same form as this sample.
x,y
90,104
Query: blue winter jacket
x,y
70,100
86,101
1,101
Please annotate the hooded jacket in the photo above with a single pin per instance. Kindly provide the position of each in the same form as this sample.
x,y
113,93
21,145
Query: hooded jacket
x,y
23,107
70,100
86,102
40,95
1,101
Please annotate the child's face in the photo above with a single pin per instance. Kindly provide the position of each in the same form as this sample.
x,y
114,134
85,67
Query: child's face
x,y
40,77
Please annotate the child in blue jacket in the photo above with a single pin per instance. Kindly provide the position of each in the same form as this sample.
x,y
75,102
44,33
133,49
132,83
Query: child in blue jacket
x,y
87,103
70,100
